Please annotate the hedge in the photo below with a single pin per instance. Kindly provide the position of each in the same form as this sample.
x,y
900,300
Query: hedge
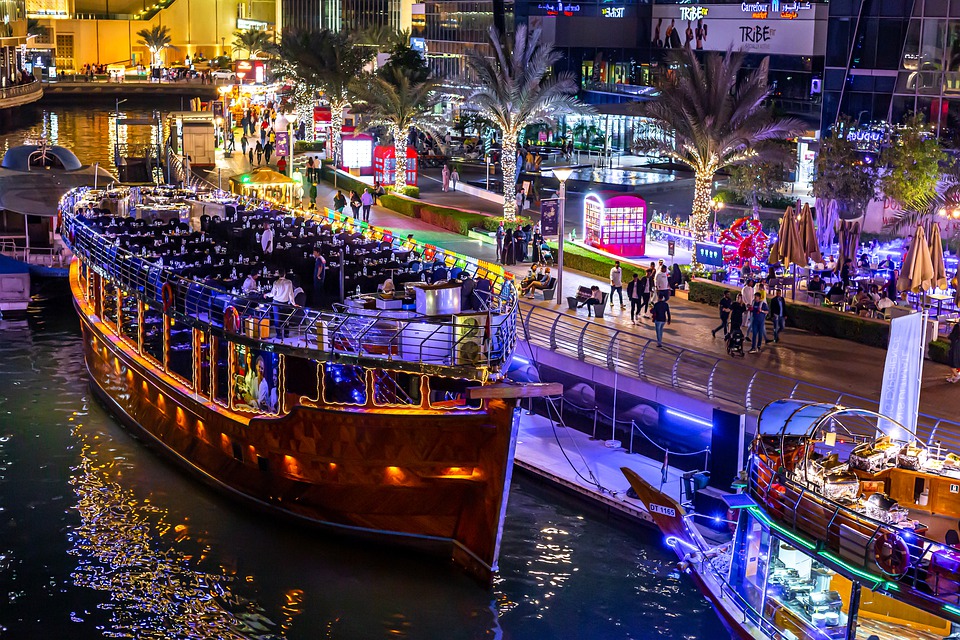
x,y
939,351
444,217
824,321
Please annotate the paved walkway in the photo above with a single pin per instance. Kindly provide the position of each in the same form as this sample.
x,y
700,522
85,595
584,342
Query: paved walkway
x,y
828,362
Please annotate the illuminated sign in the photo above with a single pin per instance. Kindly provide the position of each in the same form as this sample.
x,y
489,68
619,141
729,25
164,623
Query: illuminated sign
x,y
693,13
786,10
357,153
709,254
244,24
612,12
557,8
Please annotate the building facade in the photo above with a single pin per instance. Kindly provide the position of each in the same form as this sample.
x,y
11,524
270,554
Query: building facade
x,y
445,30
888,59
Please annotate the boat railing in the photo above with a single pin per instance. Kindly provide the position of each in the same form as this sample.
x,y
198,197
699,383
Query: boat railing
x,y
844,536
706,374
367,335
748,613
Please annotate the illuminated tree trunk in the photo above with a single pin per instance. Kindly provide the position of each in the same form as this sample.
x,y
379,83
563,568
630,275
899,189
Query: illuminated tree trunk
x,y
400,152
508,160
336,127
700,216
305,98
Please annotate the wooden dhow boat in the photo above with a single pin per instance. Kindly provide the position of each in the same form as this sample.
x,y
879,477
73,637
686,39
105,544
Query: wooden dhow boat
x,y
370,418
843,527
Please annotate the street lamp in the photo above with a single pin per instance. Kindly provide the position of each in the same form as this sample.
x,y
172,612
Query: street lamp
x,y
227,126
716,205
561,174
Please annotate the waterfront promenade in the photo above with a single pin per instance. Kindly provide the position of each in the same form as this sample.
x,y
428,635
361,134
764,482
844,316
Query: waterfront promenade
x,y
841,365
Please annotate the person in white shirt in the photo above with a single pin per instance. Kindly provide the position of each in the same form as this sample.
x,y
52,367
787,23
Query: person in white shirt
x,y
616,283
282,293
747,292
662,282
250,284
266,240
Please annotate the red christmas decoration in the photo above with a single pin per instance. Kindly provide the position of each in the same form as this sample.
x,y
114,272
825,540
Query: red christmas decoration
x,y
743,242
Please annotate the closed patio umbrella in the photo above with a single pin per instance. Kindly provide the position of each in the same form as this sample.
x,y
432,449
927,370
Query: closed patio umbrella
x,y
917,272
788,249
808,235
936,257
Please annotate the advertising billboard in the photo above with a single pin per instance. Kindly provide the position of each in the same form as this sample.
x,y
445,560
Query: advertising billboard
x,y
768,28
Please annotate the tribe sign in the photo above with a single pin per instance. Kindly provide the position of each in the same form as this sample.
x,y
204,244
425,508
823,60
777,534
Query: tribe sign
x,y
693,13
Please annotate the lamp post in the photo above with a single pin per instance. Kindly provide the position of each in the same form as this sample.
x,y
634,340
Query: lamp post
x,y
227,125
561,174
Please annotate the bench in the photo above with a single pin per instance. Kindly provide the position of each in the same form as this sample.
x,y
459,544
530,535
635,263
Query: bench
x,y
548,291
582,294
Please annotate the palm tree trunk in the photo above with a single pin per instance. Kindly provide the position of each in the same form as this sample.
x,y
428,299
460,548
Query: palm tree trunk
x,y
700,216
756,205
400,153
508,160
305,99
336,127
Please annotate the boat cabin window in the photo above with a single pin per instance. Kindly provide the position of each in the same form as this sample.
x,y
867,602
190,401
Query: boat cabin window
x,y
344,384
153,333
219,361
180,352
394,388
109,304
129,320
202,362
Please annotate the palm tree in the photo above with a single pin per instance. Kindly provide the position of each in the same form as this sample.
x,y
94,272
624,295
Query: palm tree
x,y
253,41
382,38
515,89
326,61
715,121
398,103
34,28
156,39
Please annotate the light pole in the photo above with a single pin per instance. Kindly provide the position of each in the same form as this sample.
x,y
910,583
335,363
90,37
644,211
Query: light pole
x,y
227,125
561,174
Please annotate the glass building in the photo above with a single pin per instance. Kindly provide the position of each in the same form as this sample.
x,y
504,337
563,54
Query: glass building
x,y
349,15
447,29
887,59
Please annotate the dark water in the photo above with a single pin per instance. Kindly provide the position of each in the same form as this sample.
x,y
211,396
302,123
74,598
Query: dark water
x,y
101,538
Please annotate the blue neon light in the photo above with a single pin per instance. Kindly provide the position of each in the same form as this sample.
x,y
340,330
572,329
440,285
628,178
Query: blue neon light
x,y
689,418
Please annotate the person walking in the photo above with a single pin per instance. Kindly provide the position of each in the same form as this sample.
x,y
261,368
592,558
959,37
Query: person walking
x,y
954,354
646,288
243,144
662,281
661,317
259,151
724,307
501,234
520,198
737,310
633,294
268,151
778,313
747,292
616,283
445,176
355,204
366,201
758,323
339,202
454,179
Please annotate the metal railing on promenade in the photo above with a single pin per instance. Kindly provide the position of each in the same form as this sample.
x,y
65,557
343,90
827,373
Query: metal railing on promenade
x,y
710,375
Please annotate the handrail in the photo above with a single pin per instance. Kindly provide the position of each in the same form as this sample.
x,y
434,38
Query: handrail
x,y
740,384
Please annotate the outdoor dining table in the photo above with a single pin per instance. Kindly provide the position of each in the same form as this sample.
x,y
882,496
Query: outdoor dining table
x,y
938,299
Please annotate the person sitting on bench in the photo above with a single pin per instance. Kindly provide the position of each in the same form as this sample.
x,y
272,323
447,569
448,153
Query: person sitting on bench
x,y
596,297
543,279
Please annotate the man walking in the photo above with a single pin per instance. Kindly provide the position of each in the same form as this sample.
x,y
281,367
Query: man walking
x,y
661,316
616,283
633,293
778,314
725,305
366,201
758,320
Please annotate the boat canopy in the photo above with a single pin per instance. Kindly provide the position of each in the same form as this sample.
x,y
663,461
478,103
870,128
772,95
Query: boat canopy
x,y
804,418
25,156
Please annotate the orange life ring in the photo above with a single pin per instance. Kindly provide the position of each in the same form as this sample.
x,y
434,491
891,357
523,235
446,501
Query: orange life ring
x,y
892,554
231,320
168,296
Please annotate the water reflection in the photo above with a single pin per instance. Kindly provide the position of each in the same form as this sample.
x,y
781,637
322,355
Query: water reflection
x,y
154,592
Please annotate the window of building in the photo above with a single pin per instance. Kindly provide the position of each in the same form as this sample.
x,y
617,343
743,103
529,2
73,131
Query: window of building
x,y
65,58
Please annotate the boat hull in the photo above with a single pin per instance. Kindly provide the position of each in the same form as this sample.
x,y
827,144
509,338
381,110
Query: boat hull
x,y
427,478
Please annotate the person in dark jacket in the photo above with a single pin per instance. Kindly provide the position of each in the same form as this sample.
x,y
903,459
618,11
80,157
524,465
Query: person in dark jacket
x,y
778,314
724,308
954,353
661,317
355,204
633,294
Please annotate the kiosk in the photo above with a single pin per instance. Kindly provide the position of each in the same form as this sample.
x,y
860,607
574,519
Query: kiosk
x,y
615,222
385,165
